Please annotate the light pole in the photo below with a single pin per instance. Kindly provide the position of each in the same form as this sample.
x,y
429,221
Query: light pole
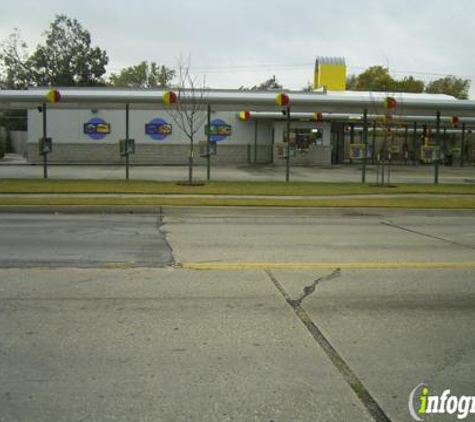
x,y
208,144
127,142
44,148
365,142
287,164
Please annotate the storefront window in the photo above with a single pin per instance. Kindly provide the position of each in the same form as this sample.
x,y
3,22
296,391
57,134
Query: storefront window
x,y
302,139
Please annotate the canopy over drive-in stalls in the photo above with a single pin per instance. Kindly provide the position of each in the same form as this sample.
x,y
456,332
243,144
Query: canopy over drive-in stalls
x,y
331,106
234,100
355,117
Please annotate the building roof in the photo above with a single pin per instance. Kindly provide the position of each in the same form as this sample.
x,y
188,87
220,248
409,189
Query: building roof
x,y
330,60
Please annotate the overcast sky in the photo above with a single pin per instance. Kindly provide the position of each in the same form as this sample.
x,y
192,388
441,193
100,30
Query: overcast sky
x,y
243,42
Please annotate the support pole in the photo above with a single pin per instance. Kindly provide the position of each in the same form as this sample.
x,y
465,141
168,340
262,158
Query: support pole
x,y
383,155
462,146
414,144
127,142
365,142
389,169
377,169
256,135
445,141
373,147
45,154
208,145
287,167
437,144
406,145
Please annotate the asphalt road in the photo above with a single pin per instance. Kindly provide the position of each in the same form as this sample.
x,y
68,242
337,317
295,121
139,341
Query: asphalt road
x,y
81,240
233,314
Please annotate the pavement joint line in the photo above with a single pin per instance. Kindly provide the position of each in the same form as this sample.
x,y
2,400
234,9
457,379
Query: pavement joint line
x,y
249,265
431,236
338,362
299,265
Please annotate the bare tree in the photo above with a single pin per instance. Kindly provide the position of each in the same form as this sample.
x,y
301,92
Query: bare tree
x,y
189,112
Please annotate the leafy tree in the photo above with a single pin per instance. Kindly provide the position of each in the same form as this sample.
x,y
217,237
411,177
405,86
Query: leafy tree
x,y
3,83
375,78
66,58
143,75
351,82
409,84
450,85
14,65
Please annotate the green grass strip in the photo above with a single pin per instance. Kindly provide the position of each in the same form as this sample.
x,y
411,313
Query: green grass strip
x,y
224,188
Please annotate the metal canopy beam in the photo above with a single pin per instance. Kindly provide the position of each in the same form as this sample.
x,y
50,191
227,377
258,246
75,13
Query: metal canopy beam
x,y
353,117
359,129
235,100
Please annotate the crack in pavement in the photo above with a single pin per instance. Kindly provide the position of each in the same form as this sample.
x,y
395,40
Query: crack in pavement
x,y
338,362
164,233
310,289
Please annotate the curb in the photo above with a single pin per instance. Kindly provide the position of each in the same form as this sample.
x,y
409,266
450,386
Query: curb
x,y
80,209
155,209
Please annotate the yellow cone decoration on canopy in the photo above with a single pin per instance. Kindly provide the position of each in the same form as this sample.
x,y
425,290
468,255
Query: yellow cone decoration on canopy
x,y
245,115
390,102
318,116
283,99
169,97
53,96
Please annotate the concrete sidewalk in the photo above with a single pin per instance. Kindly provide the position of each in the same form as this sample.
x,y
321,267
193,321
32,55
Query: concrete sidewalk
x,y
13,166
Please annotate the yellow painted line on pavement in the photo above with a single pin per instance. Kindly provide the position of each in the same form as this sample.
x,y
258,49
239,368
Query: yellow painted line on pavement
x,y
299,265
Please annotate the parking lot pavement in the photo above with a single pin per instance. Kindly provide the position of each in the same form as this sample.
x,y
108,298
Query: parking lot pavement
x,y
15,167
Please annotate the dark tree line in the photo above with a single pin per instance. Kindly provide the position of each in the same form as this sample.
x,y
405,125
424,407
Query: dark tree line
x,y
377,78
68,58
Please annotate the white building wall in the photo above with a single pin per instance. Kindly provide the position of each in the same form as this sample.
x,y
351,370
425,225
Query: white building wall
x,y
72,145
66,126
